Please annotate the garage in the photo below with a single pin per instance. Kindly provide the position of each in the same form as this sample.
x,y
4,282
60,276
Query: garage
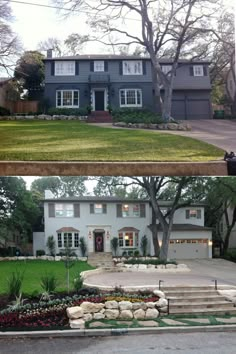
x,y
188,248
191,107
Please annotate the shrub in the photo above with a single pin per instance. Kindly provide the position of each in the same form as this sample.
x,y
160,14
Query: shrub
x,y
78,282
136,253
49,283
114,244
130,115
68,111
83,246
14,284
230,255
51,245
40,253
4,111
144,245
148,261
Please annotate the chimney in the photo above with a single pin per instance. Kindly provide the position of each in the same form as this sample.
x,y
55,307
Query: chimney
x,y
49,53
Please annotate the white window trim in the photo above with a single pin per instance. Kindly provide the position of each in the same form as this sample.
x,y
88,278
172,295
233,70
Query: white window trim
x,y
73,239
99,62
64,74
72,106
131,216
64,211
134,238
105,97
132,105
196,68
132,61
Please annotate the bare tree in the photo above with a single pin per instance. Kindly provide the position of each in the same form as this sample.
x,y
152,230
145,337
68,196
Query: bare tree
x,y
159,25
9,44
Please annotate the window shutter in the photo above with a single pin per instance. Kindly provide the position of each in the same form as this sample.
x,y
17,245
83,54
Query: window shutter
x,y
144,67
191,70
187,214
205,71
199,214
106,65
104,208
76,68
51,210
142,211
121,67
76,210
119,210
52,68
91,208
92,66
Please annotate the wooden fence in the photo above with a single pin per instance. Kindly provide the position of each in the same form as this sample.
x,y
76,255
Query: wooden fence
x,y
22,106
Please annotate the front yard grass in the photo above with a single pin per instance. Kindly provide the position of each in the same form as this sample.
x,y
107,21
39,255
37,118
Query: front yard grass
x,y
34,270
77,141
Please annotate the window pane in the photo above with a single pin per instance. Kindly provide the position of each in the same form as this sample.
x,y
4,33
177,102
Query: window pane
x,y
99,65
76,98
76,240
129,239
98,208
69,210
59,240
130,95
58,98
65,240
122,97
121,242
67,98
59,211
70,239
136,210
125,210
138,97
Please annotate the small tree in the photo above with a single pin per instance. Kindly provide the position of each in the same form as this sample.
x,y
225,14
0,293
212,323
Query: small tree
x,y
114,244
144,245
51,245
83,246
69,262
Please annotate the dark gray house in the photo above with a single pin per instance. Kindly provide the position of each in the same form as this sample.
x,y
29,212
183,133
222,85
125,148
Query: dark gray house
x,y
120,81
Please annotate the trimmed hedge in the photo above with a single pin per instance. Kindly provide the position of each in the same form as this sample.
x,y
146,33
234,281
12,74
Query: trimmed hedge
x,y
68,111
131,115
148,261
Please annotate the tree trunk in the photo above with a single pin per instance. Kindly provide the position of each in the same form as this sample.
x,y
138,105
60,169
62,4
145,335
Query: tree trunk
x,y
166,110
165,244
154,230
229,229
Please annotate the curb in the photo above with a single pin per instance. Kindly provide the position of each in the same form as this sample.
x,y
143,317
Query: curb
x,y
75,168
117,332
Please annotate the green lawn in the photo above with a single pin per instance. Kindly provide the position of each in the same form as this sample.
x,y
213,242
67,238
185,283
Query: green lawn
x,y
73,140
33,270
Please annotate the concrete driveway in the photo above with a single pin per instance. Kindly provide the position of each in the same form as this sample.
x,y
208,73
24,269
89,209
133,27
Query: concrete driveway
x,y
203,271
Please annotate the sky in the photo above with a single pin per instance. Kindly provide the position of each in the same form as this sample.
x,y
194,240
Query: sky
x,y
34,24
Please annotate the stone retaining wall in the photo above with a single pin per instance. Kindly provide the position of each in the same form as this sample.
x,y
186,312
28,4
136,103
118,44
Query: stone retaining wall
x,y
163,126
111,310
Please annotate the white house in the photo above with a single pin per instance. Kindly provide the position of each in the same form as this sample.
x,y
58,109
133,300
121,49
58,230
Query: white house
x,y
99,219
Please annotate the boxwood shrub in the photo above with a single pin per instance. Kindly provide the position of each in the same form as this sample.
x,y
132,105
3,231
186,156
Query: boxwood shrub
x,y
68,111
148,261
131,115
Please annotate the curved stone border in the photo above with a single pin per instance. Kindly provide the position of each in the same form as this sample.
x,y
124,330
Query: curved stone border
x,y
161,126
43,258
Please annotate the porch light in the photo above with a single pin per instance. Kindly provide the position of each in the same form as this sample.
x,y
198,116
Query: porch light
x,y
210,243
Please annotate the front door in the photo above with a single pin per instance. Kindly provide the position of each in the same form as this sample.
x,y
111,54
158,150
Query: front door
x,y
99,244
99,100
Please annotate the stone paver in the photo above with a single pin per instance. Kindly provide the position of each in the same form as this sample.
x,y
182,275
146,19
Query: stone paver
x,y
226,320
198,320
171,322
99,324
148,323
129,323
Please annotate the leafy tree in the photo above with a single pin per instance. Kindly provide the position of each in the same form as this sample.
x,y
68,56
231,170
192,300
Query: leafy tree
x,y
115,244
144,245
30,72
60,186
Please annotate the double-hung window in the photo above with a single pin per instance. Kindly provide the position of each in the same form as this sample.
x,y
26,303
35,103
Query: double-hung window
x,y
193,214
67,98
99,65
128,239
132,67
68,239
198,70
64,210
64,68
131,98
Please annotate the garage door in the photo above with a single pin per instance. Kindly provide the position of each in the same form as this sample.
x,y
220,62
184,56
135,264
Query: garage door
x,y
198,109
190,109
187,249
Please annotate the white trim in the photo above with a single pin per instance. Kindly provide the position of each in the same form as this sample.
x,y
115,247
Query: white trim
x,y
132,62
99,62
198,70
93,90
72,106
64,72
131,105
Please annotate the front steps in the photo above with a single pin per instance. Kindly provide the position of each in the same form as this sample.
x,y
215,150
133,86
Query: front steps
x,y
203,300
99,117
101,259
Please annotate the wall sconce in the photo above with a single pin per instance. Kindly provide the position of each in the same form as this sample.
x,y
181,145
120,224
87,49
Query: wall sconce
x,y
90,234
85,93
108,234
210,243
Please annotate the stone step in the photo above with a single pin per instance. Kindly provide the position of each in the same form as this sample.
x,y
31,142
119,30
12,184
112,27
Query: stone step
x,y
187,293
187,288
214,305
204,311
196,298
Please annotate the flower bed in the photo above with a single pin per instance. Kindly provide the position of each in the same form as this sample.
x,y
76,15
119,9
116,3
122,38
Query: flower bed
x,y
52,314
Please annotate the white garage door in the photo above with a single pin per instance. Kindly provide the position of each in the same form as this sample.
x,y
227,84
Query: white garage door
x,y
187,249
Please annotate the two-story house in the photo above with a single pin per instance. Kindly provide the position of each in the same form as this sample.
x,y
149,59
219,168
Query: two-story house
x,y
99,219
103,81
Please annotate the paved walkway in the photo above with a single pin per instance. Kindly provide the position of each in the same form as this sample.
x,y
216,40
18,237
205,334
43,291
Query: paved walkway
x,y
203,271
220,133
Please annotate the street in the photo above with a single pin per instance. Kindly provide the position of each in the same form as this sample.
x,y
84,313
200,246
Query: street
x,y
186,343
